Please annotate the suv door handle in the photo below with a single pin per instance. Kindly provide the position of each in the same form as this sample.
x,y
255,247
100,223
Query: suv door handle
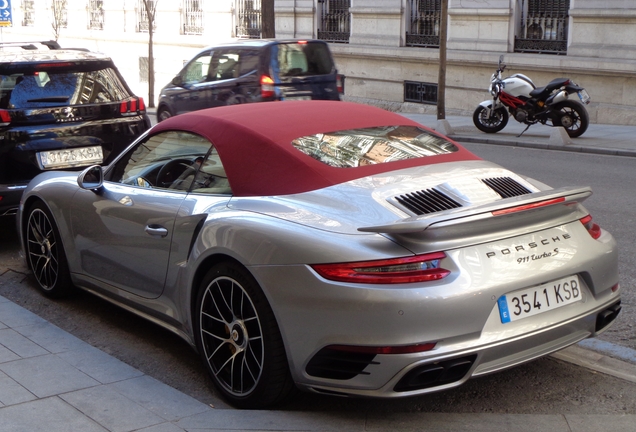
x,y
156,231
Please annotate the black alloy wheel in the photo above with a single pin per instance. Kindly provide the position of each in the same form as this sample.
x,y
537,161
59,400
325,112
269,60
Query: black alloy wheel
x,y
238,339
45,252
572,116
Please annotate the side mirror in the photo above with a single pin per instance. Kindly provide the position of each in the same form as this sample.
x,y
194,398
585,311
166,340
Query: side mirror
x,y
92,178
178,81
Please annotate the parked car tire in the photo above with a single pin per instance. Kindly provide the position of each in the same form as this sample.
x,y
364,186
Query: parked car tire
x,y
238,338
45,253
163,113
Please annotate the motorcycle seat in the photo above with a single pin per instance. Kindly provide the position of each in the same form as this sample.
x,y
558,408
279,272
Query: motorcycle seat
x,y
555,83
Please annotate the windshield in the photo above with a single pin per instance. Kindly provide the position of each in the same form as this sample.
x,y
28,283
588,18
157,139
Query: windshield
x,y
370,146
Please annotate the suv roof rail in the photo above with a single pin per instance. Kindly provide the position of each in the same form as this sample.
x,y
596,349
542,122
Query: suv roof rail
x,y
50,44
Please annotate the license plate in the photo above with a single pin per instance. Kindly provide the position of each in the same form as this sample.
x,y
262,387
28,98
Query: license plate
x,y
542,298
67,158
584,96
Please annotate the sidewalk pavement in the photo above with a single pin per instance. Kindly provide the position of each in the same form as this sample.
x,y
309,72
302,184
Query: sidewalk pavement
x,y
53,381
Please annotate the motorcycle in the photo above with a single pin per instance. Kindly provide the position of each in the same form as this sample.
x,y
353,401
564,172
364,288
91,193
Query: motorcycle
x,y
551,105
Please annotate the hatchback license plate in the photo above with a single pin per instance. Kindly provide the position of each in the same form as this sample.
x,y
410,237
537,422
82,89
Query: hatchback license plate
x,y
531,301
67,158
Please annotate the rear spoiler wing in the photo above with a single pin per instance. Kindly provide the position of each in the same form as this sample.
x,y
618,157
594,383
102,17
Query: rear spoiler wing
x,y
564,195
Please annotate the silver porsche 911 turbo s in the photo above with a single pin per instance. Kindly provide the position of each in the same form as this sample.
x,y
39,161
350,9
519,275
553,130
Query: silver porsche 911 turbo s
x,y
327,246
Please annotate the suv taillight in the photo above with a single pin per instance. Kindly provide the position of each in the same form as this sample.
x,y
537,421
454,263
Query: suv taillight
x,y
5,118
131,107
267,87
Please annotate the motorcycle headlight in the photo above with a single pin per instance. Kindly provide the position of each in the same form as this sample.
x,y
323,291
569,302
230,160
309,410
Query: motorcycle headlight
x,y
495,89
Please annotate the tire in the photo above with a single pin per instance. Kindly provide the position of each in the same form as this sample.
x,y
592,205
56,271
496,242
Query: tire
x,y
573,118
238,339
495,123
162,114
45,253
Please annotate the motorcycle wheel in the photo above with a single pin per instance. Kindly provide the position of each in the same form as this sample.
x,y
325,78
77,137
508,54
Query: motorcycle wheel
x,y
497,121
573,117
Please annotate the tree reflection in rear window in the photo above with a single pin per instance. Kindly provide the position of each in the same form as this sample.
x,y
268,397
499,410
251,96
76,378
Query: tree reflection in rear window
x,y
370,146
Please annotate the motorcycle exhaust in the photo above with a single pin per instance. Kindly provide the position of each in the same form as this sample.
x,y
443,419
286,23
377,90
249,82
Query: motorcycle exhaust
x,y
556,98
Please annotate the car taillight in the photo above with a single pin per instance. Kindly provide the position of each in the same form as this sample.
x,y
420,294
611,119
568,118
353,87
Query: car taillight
x,y
132,106
5,118
591,227
340,83
419,268
267,87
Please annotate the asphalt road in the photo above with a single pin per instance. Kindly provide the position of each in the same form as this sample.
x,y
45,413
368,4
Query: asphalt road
x,y
545,386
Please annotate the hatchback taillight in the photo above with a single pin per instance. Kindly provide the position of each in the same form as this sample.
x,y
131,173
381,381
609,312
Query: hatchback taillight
x,y
419,268
5,118
267,87
591,227
132,106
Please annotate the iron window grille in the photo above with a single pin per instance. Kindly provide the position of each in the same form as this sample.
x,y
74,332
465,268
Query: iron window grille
x,y
60,13
28,10
192,17
335,20
96,14
142,15
420,92
248,19
543,26
424,24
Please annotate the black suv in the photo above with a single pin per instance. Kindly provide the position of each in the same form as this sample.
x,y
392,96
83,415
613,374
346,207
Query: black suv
x,y
252,71
60,109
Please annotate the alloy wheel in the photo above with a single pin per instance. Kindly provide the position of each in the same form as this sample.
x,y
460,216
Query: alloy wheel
x,y
231,336
42,249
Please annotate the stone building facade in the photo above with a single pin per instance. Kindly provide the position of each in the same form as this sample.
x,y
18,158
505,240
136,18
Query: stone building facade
x,y
388,49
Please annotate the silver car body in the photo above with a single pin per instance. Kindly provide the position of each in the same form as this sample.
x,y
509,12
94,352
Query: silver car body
x,y
116,249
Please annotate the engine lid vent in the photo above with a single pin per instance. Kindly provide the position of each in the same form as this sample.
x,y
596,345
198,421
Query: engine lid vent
x,y
506,187
427,201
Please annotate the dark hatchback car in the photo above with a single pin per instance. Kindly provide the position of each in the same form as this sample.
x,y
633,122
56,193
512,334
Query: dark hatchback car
x,y
60,109
252,71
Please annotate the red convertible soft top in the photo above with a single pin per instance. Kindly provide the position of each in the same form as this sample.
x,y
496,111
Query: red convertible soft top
x,y
254,142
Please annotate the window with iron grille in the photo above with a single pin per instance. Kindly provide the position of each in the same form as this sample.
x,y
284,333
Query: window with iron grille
x,y
96,14
420,92
60,13
335,20
424,24
543,26
192,17
28,10
142,15
248,19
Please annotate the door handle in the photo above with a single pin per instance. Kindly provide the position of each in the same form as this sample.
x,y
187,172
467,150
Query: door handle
x,y
156,231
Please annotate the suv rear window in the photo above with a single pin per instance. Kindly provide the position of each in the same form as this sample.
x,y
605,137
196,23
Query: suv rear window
x,y
303,59
370,146
55,87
